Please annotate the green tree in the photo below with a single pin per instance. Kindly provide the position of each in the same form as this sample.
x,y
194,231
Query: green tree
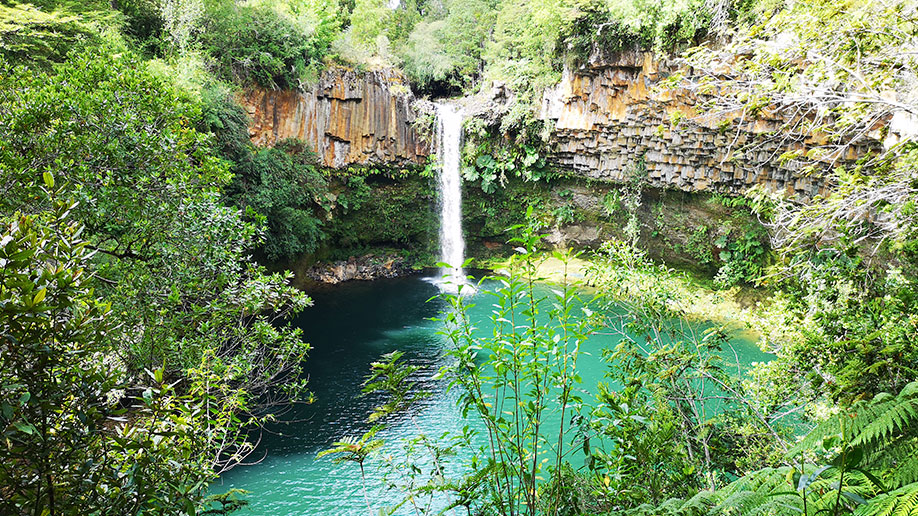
x,y
173,262
260,45
283,185
80,434
449,49
54,379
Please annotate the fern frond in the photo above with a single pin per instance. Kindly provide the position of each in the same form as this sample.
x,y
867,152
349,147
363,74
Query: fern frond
x,y
903,463
895,418
740,503
765,480
670,506
870,425
645,509
901,502
787,504
700,504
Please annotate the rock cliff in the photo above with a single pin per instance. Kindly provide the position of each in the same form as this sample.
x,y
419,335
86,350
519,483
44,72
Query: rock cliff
x,y
349,118
616,111
606,117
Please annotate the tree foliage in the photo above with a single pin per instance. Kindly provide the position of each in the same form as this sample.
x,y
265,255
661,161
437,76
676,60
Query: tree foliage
x,y
79,433
260,45
286,190
193,337
41,33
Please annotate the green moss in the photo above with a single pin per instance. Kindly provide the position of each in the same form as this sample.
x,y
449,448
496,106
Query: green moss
x,y
380,212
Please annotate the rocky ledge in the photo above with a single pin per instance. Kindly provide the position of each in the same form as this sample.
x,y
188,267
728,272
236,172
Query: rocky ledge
x,y
612,120
618,112
369,267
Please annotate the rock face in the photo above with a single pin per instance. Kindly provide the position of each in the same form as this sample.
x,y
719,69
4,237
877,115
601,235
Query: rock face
x,y
368,267
607,118
616,113
348,118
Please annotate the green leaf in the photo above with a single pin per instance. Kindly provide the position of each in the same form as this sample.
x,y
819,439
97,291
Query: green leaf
x,y
854,497
39,296
873,478
49,179
24,427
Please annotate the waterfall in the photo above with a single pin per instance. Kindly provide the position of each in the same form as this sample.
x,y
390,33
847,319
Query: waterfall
x,y
452,246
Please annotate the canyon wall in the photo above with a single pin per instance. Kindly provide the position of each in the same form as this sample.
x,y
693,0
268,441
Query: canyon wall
x,y
607,117
349,118
616,112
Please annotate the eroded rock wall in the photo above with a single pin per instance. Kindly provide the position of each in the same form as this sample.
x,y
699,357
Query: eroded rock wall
x,y
349,118
606,117
616,112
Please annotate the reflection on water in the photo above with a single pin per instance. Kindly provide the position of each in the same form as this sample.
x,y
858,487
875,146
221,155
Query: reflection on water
x,y
350,326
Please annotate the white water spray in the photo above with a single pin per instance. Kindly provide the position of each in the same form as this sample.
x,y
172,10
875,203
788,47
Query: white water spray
x,y
452,245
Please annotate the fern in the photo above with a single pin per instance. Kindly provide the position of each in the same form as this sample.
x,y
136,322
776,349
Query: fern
x,y
878,435
894,418
700,504
870,425
901,502
904,459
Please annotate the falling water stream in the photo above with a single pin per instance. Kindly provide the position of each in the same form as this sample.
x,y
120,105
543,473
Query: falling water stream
x,y
452,245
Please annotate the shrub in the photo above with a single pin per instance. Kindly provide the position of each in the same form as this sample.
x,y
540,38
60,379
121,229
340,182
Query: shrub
x,y
261,46
283,187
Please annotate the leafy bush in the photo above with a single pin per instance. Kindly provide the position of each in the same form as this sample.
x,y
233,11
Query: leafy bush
x,y
261,46
69,445
426,57
42,34
377,211
857,327
744,253
495,165
283,187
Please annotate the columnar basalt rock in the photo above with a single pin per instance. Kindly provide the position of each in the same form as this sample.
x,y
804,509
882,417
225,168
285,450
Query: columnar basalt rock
x,y
616,112
349,118
606,117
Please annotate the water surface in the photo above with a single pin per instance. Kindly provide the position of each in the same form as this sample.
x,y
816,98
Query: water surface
x,y
350,326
